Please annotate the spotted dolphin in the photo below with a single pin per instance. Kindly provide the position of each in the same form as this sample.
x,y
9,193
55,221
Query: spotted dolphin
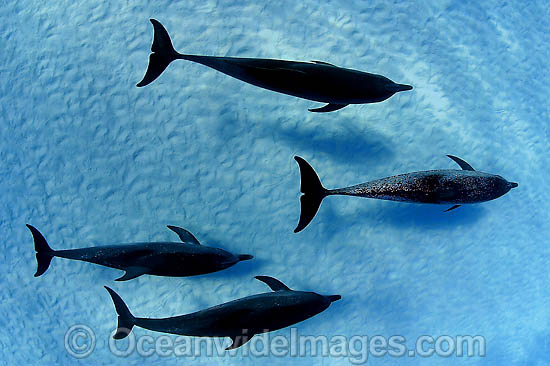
x,y
456,187
188,258
239,319
318,81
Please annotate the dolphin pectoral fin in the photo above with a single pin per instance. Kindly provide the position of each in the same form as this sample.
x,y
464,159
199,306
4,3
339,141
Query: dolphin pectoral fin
x,y
331,107
464,165
452,208
273,283
322,63
185,236
238,341
133,272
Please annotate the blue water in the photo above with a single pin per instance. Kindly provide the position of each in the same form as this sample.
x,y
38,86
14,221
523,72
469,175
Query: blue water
x,y
90,159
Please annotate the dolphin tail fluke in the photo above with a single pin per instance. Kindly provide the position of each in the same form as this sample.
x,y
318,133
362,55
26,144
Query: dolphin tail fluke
x,y
44,253
313,194
126,320
163,53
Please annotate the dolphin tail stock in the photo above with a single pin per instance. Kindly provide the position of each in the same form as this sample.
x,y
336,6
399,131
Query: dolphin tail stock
x,y
163,53
44,253
313,193
126,320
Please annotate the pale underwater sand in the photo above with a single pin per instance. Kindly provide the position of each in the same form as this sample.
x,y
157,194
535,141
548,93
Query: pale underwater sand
x,y
88,158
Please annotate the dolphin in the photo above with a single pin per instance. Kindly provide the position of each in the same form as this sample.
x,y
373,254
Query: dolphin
x,y
318,81
188,258
239,319
456,187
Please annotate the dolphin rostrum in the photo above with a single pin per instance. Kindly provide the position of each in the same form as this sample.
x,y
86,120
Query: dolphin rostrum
x,y
454,187
188,258
318,81
239,319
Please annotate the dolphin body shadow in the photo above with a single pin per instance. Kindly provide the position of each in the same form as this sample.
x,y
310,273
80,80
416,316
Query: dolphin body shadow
x,y
239,319
318,81
456,187
188,258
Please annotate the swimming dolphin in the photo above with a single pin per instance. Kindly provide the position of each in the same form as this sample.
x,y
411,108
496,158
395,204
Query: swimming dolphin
x,y
239,319
188,258
455,187
318,81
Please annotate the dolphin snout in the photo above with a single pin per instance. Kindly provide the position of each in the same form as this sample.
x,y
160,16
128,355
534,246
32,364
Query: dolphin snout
x,y
244,257
513,184
395,88
334,298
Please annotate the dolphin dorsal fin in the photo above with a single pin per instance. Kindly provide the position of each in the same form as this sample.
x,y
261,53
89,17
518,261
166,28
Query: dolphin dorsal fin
x,y
185,236
273,283
321,63
464,165
275,72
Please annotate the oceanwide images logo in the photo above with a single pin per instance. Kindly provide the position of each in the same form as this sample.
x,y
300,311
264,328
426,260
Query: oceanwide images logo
x,y
80,342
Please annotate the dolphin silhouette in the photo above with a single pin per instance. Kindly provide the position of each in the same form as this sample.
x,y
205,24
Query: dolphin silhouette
x,y
239,319
188,258
318,81
455,187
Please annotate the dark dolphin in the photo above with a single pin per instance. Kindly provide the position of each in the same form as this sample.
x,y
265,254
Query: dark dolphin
x,y
239,319
454,187
318,81
188,258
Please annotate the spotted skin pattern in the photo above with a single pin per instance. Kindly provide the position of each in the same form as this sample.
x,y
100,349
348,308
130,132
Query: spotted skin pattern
x,y
456,187
432,186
